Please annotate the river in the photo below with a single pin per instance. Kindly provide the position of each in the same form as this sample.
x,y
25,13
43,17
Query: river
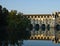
x,y
39,43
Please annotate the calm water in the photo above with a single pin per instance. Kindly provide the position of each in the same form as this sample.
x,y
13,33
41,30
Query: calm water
x,y
39,43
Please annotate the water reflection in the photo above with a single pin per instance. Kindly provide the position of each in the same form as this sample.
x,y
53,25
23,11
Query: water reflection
x,y
47,33
18,43
39,43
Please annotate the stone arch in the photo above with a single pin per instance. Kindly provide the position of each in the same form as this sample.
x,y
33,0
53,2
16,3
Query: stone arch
x,y
36,26
35,38
57,27
43,27
48,26
48,38
44,37
38,37
31,38
41,37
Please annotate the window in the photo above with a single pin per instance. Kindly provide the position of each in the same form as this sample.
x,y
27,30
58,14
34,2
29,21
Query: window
x,y
48,16
35,16
41,16
44,16
31,16
38,16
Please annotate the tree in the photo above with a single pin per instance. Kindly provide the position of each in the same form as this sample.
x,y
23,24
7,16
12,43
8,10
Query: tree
x,y
22,24
30,27
0,24
17,24
13,26
3,24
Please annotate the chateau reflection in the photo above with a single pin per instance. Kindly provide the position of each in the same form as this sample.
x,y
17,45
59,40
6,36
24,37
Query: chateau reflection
x,y
46,34
57,36
46,26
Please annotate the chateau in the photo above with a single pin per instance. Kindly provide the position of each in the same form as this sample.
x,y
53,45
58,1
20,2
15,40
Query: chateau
x,y
46,19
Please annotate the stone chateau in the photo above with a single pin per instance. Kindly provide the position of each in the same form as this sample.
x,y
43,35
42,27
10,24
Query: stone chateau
x,y
46,19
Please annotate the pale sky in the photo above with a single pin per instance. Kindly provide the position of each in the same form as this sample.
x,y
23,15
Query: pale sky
x,y
32,6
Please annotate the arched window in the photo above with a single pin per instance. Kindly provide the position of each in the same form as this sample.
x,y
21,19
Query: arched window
x,y
43,27
37,27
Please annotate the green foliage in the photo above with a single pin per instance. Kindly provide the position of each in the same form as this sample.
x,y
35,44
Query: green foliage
x,y
3,23
30,26
17,25
13,25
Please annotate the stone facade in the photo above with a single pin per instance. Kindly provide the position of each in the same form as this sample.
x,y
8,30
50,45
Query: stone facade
x,y
51,19
46,19
41,19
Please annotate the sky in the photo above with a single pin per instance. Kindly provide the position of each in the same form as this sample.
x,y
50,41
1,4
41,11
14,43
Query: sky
x,y
32,6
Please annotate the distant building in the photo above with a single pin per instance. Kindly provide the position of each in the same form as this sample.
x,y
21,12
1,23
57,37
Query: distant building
x,y
51,19
44,18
